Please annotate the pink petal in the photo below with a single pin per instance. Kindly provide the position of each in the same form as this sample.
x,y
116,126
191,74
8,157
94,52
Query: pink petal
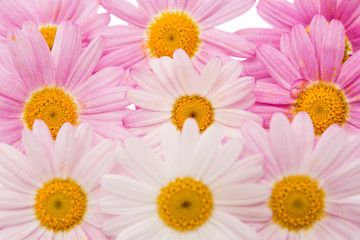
x,y
143,117
272,93
279,13
127,12
317,30
278,66
307,9
85,64
235,117
332,51
230,43
228,10
256,36
66,50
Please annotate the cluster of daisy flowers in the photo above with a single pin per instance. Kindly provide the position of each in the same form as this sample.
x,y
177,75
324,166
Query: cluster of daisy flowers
x,y
155,130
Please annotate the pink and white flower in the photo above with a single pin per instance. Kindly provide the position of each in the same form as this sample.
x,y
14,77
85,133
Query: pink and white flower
x,y
313,180
308,74
47,15
173,92
200,183
58,86
157,28
52,191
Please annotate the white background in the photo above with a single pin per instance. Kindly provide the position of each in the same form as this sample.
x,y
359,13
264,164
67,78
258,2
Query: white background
x,y
247,20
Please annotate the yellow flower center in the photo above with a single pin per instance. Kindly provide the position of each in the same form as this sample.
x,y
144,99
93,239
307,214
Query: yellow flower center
x,y
170,31
53,106
60,204
325,104
185,204
194,106
49,33
297,202
348,49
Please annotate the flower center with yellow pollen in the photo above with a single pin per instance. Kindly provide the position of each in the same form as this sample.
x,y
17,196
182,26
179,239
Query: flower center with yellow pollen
x,y
170,31
196,107
297,202
60,204
49,33
53,106
325,104
185,204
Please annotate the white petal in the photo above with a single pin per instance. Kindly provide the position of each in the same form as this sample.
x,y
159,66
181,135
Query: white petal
x,y
209,76
145,229
185,72
15,217
150,101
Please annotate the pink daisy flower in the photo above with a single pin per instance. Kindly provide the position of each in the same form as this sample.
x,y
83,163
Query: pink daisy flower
x,y
309,75
52,192
158,27
47,15
202,190
173,92
311,179
284,15
58,87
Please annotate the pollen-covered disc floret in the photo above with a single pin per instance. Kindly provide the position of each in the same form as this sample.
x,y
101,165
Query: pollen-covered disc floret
x,y
194,106
325,103
53,106
49,33
297,202
185,204
60,204
171,31
348,49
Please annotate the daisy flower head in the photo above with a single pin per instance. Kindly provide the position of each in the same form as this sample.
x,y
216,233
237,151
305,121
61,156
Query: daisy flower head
x,y
284,15
157,28
311,179
308,74
58,86
47,16
202,189
52,191
173,92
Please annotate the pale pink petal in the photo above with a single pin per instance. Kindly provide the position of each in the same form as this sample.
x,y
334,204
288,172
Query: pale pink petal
x,y
347,12
185,72
232,92
150,101
332,51
66,50
209,76
145,227
224,220
85,64
64,154
350,73
126,11
235,117
277,65
92,166
16,217
104,79
142,162
22,231
143,117
304,53
229,10
230,43
256,213
279,13
325,156
14,200
328,9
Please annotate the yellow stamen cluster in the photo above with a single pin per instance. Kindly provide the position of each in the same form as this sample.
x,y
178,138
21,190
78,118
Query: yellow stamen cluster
x,y
325,104
297,202
194,106
185,204
53,106
170,31
60,204
49,33
348,49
